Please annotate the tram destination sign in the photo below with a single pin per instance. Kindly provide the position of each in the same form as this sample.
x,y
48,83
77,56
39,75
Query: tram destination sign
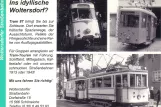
x,y
132,67
83,6
129,12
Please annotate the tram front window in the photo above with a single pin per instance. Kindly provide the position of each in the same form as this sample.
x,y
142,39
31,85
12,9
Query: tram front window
x,y
83,13
130,20
132,80
81,85
138,80
92,83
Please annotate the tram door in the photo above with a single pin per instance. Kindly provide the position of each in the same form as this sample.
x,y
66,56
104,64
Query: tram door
x,y
118,88
149,28
80,93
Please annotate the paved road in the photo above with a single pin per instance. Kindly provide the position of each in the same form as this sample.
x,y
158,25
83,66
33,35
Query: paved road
x,y
65,103
117,46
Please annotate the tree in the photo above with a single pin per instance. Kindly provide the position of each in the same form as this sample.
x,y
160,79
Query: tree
x,y
64,59
133,60
76,59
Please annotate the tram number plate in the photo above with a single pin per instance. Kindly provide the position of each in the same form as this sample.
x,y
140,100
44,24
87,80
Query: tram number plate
x,y
130,13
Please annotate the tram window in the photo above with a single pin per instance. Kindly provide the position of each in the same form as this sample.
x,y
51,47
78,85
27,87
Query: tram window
x,y
144,80
80,85
93,13
107,81
125,80
72,85
132,80
144,20
92,84
98,82
155,22
130,20
118,80
74,14
152,22
84,14
138,80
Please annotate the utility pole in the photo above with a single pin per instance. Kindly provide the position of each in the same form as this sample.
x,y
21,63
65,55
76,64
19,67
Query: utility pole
x,y
92,63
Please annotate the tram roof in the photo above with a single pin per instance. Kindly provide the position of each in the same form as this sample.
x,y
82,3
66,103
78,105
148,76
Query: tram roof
x,y
78,78
119,70
82,5
139,9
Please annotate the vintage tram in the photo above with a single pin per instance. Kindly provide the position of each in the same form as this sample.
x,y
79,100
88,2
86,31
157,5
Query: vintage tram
x,y
83,28
123,86
136,26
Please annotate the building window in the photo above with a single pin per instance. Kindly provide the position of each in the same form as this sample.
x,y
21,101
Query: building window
x,y
156,76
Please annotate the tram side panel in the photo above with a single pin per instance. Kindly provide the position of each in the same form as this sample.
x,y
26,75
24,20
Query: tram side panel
x,y
70,93
102,94
137,95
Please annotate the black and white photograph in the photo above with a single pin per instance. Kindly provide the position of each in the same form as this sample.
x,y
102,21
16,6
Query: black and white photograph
x,y
108,80
135,26
82,25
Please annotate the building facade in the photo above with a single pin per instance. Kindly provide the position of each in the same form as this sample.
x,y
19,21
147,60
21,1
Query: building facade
x,y
153,64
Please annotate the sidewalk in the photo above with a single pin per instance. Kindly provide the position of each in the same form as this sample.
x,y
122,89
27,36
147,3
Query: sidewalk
x,y
156,103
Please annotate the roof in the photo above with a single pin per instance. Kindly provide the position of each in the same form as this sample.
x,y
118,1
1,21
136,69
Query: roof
x,y
117,70
77,79
75,5
139,9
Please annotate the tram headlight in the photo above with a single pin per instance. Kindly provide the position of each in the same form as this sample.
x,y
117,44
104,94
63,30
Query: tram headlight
x,y
138,97
87,31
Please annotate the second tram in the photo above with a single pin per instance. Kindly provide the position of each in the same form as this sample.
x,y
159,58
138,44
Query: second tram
x,y
136,26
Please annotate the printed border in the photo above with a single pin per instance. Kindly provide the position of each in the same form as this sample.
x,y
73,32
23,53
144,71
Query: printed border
x,y
2,53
